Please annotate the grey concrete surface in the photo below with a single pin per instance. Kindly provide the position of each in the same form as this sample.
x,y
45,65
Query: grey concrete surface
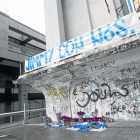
x,y
120,130
67,19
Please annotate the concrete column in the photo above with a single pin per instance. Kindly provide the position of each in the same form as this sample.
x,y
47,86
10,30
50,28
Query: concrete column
x,y
54,23
76,18
8,97
22,97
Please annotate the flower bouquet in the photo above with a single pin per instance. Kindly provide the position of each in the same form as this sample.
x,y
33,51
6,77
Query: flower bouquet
x,y
58,117
67,121
80,115
46,119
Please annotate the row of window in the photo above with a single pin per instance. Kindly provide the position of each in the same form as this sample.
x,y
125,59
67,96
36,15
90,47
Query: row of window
x,y
26,44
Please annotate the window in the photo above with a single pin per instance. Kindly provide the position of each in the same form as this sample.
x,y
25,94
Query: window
x,y
25,44
29,46
39,49
14,40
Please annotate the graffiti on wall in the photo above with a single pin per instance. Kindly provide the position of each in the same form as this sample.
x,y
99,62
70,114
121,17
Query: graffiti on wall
x,y
85,95
103,89
103,66
57,100
108,87
59,93
111,91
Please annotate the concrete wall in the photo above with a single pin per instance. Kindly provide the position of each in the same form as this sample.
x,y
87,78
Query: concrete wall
x,y
54,23
76,18
4,29
108,86
66,19
99,13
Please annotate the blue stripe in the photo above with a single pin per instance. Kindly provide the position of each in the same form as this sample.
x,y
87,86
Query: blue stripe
x,y
130,6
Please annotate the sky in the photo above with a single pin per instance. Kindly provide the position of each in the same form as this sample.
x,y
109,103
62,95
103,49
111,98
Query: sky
x,y
28,12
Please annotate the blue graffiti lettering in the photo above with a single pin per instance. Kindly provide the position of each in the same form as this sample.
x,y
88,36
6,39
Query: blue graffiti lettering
x,y
123,30
132,31
77,45
51,54
46,58
38,61
60,51
81,46
30,64
95,40
72,48
110,32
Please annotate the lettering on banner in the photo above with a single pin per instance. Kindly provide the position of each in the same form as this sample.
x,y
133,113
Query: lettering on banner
x,y
91,40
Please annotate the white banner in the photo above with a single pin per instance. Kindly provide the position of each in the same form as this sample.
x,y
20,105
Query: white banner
x,y
105,35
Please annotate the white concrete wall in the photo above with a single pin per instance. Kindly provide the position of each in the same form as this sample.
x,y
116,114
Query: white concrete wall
x,y
76,18
54,23
118,97
116,77
66,19
99,12
109,86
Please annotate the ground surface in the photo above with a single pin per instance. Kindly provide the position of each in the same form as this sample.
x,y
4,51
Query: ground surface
x,y
120,130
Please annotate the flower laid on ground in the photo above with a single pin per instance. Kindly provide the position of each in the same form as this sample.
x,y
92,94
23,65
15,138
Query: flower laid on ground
x,y
46,119
80,113
66,119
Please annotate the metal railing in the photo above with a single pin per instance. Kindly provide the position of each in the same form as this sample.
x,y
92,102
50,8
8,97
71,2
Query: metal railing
x,y
26,113
11,114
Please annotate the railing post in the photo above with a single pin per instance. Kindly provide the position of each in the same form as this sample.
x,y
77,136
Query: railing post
x,y
24,121
11,119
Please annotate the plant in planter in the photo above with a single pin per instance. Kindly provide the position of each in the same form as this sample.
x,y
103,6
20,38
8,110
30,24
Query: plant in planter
x,y
67,121
46,119
58,117
80,115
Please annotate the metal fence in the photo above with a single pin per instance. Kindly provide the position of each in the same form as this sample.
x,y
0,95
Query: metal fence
x,y
34,109
31,110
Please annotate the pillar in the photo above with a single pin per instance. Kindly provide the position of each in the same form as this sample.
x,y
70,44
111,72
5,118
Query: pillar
x,y
54,25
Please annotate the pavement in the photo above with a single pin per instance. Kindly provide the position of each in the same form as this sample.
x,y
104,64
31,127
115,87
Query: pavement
x,y
119,130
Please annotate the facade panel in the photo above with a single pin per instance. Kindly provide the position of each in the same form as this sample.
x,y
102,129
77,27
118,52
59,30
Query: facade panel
x,y
16,45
